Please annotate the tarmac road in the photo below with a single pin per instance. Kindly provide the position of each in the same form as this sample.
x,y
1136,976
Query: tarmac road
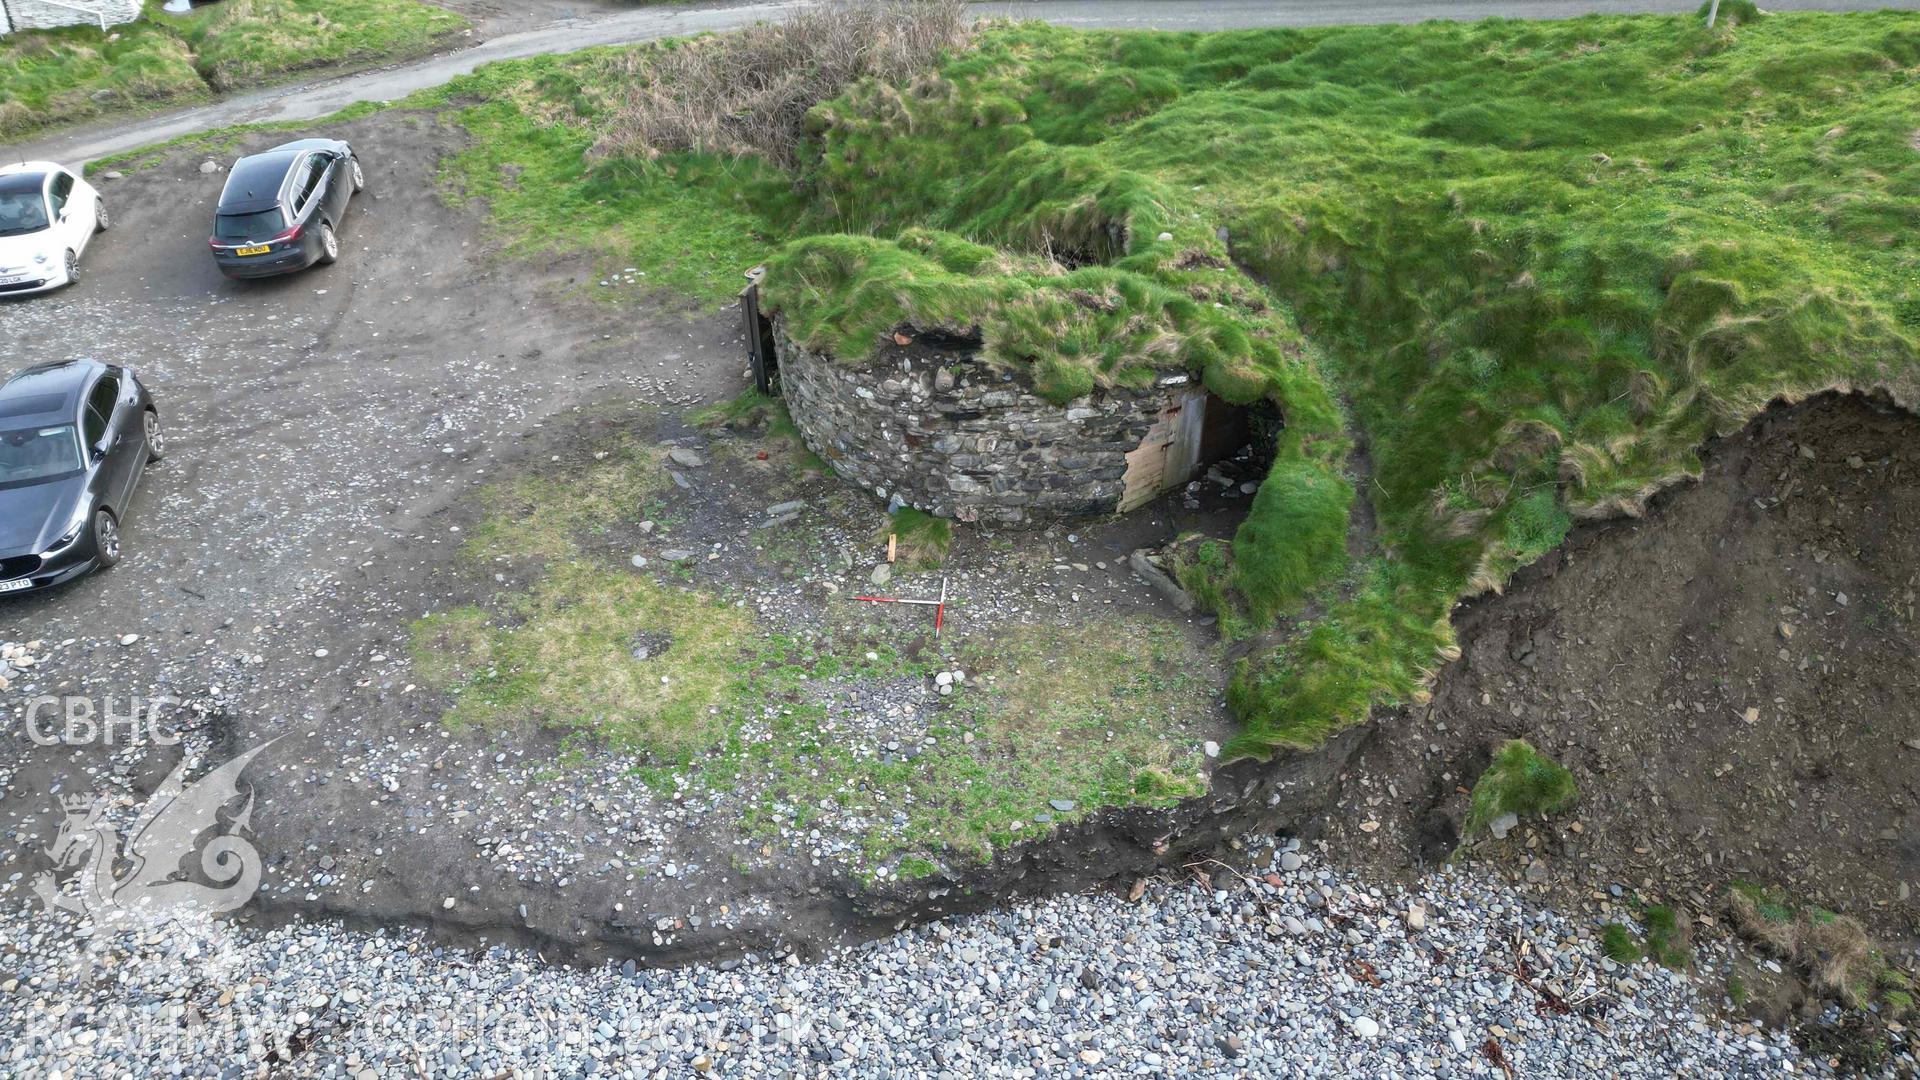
x,y
306,101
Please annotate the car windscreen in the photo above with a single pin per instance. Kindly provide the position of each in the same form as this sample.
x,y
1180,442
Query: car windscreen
x,y
37,453
22,212
259,225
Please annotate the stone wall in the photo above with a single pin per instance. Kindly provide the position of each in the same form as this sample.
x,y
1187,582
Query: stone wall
x,y
39,15
943,432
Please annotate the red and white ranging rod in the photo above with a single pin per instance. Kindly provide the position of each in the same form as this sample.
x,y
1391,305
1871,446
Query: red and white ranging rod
x,y
939,606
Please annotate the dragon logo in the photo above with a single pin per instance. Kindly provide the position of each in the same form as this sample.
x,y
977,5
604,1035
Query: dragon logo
x,y
142,882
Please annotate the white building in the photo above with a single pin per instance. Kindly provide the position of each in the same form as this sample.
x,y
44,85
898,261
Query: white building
x,y
44,14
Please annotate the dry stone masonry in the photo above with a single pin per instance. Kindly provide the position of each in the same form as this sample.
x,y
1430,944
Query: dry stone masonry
x,y
944,432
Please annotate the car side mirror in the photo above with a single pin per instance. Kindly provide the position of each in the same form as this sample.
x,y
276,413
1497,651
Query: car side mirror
x,y
98,451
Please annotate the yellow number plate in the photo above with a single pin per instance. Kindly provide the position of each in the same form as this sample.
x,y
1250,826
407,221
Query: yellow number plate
x,y
260,249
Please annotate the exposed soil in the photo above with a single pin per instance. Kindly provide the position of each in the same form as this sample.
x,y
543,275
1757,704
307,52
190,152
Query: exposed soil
x,y
1734,680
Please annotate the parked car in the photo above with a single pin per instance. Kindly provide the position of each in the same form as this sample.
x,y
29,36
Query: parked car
x,y
75,438
48,215
281,211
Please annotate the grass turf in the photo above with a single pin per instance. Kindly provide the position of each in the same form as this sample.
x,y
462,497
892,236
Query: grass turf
x,y
51,77
1521,781
1535,263
923,539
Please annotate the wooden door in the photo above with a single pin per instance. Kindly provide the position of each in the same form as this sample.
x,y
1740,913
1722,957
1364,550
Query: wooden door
x,y
1169,453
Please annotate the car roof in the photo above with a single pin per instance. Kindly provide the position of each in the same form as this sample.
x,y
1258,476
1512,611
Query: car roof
x,y
38,168
46,393
256,181
308,144
22,181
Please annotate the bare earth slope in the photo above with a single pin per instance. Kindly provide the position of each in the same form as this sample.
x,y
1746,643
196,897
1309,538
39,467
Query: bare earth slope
x,y
1734,680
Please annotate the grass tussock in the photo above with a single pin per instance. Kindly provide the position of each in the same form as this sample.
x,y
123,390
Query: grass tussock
x,y
1833,951
923,539
1668,942
1203,566
749,92
1619,945
51,77
1522,781
1663,939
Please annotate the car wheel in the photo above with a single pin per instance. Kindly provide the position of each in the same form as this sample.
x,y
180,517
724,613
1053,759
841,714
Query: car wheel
x,y
106,538
359,178
73,267
329,244
101,220
156,439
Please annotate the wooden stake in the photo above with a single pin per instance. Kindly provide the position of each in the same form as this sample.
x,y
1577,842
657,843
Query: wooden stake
x,y
893,546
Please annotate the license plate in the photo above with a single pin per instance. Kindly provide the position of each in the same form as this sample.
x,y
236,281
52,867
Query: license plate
x,y
15,586
260,249
12,280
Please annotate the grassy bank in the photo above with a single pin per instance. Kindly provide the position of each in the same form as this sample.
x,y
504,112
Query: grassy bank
x,y
55,77
1535,264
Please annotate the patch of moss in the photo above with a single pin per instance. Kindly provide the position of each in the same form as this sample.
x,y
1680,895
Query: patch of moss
x,y
702,695
916,867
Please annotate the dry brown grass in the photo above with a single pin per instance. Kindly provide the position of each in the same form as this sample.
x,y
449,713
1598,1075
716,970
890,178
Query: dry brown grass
x,y
1834,950
749,92
15,118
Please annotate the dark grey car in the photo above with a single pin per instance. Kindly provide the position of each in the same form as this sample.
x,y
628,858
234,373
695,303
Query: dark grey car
x,y
281,211
75,438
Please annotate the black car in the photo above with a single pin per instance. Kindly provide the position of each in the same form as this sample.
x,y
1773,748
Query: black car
x,y
75,438
281,210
